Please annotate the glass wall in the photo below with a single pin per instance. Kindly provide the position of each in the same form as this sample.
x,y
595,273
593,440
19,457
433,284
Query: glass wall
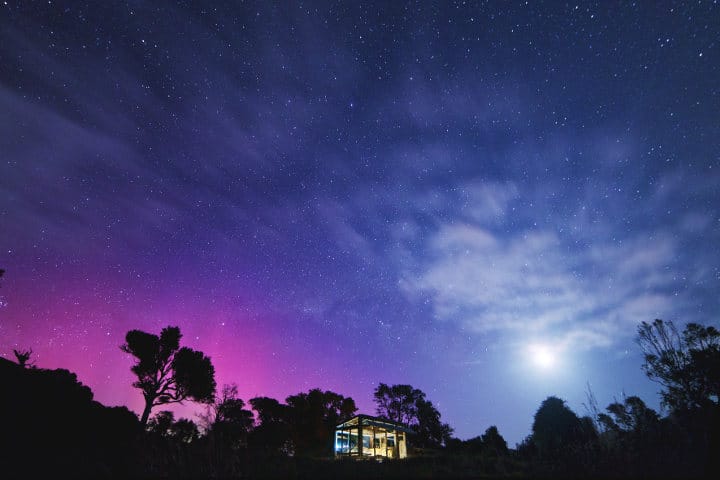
x,y
379,438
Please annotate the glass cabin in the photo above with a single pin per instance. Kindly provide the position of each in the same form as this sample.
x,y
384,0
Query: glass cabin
x,y
364,436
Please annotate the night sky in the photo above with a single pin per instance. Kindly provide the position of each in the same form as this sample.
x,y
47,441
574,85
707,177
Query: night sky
x,y
337,194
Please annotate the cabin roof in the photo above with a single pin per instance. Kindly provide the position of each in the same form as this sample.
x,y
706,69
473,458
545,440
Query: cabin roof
x,y
368,420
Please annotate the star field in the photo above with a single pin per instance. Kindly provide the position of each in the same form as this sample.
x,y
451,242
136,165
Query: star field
x,y
337,194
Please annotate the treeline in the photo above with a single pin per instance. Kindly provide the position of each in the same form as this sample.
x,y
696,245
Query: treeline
x,y
629,439
76,436
52,427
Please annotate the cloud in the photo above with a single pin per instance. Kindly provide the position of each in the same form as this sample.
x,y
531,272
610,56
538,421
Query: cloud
x,y
530,284
488,201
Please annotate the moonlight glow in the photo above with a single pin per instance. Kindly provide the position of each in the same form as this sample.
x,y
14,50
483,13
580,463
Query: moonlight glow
x,y
543,357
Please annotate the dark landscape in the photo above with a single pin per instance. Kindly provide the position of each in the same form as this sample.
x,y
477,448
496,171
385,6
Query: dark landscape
x,y
54,425
359,239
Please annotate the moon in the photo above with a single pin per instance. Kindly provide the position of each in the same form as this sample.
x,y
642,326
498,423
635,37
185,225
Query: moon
x,y
542,356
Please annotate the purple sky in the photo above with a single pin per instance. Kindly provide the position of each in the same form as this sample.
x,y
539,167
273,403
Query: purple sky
x,y
337,194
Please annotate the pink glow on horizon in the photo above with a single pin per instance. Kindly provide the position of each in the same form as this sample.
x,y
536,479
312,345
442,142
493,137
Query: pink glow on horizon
x,y
78,324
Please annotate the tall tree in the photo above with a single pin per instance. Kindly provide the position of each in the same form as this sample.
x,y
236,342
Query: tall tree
x,y
269,410
408,406
631,415
167,373
227,419
687,365
313,417
555,427
272,433
231,409
493,442
398,402
430,431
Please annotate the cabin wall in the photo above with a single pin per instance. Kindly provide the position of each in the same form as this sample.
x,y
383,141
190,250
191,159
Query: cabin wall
x,y
373,442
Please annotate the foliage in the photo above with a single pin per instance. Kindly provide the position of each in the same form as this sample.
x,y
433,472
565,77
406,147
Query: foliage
x,y
167,373
227,420
408,406
312,417
631,415
687,365
76,436
227,425
231,409
303,426
398,403
52,427
272,434
185,430
429,430
554,427
23,357
493,442
161,423
164,424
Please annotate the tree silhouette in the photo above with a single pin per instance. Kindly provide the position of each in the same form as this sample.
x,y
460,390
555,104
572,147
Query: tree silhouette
x,y
555,427
687,365
397,403
230,408
430,431
161,423
52,427
631,415
23,357
493,442
164,424
313,416
408,406
185,430
272,434
227,419
167,373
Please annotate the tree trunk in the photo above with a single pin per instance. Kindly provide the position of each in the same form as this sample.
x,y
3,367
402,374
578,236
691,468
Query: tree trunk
x,y
146,412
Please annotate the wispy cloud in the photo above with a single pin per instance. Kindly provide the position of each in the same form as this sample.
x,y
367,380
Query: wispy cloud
x,y
533,283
